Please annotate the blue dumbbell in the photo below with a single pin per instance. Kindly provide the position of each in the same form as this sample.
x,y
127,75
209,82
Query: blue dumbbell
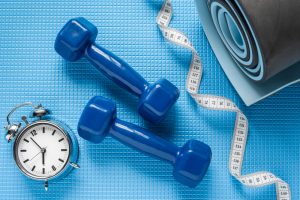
x,y
98,120
76,40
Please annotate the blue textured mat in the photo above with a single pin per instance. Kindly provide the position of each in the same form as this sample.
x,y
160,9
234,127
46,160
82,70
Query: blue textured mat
x,y
32,71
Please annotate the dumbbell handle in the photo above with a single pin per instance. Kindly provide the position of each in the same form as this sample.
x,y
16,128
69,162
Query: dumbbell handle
x,y
116,69
143,140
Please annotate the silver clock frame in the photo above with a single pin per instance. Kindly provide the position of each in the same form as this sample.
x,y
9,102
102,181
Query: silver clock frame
x,y
17,141
14,131
72,157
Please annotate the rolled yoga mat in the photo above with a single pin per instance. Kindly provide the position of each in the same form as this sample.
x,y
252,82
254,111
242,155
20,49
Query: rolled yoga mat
x,y
257,43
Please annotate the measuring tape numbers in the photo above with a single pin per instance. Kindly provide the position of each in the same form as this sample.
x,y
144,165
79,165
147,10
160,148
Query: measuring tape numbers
x,y
240,133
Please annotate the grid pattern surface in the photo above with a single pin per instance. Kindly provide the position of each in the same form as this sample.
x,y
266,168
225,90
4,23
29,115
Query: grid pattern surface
x,y
32,71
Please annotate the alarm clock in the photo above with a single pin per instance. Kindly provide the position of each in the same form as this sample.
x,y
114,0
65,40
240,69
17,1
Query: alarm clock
x,y
44,149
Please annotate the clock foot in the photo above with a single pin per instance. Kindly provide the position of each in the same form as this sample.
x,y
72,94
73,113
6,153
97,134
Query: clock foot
x,y
74,165
46,185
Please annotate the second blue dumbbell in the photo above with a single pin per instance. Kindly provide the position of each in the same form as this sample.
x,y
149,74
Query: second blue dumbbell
x,y
76,40
99,119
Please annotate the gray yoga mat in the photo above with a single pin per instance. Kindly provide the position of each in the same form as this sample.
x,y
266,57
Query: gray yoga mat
x,y
256,42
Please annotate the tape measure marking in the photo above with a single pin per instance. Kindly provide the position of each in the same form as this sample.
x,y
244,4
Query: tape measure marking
x,y
240,133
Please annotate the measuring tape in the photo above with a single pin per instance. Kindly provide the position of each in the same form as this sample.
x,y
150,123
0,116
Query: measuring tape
x,y
212,102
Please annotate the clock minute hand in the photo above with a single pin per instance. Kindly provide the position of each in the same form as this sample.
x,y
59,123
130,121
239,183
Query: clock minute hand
x,y
36,143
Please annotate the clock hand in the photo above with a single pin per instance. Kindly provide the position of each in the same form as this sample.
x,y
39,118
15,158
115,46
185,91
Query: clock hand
x,y
43,155
35,156
36,143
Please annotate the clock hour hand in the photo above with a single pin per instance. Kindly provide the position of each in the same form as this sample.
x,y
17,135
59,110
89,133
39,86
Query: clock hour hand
x,y
43,155
36,143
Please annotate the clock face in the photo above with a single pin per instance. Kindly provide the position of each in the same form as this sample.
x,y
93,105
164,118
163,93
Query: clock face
x,y
42,150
